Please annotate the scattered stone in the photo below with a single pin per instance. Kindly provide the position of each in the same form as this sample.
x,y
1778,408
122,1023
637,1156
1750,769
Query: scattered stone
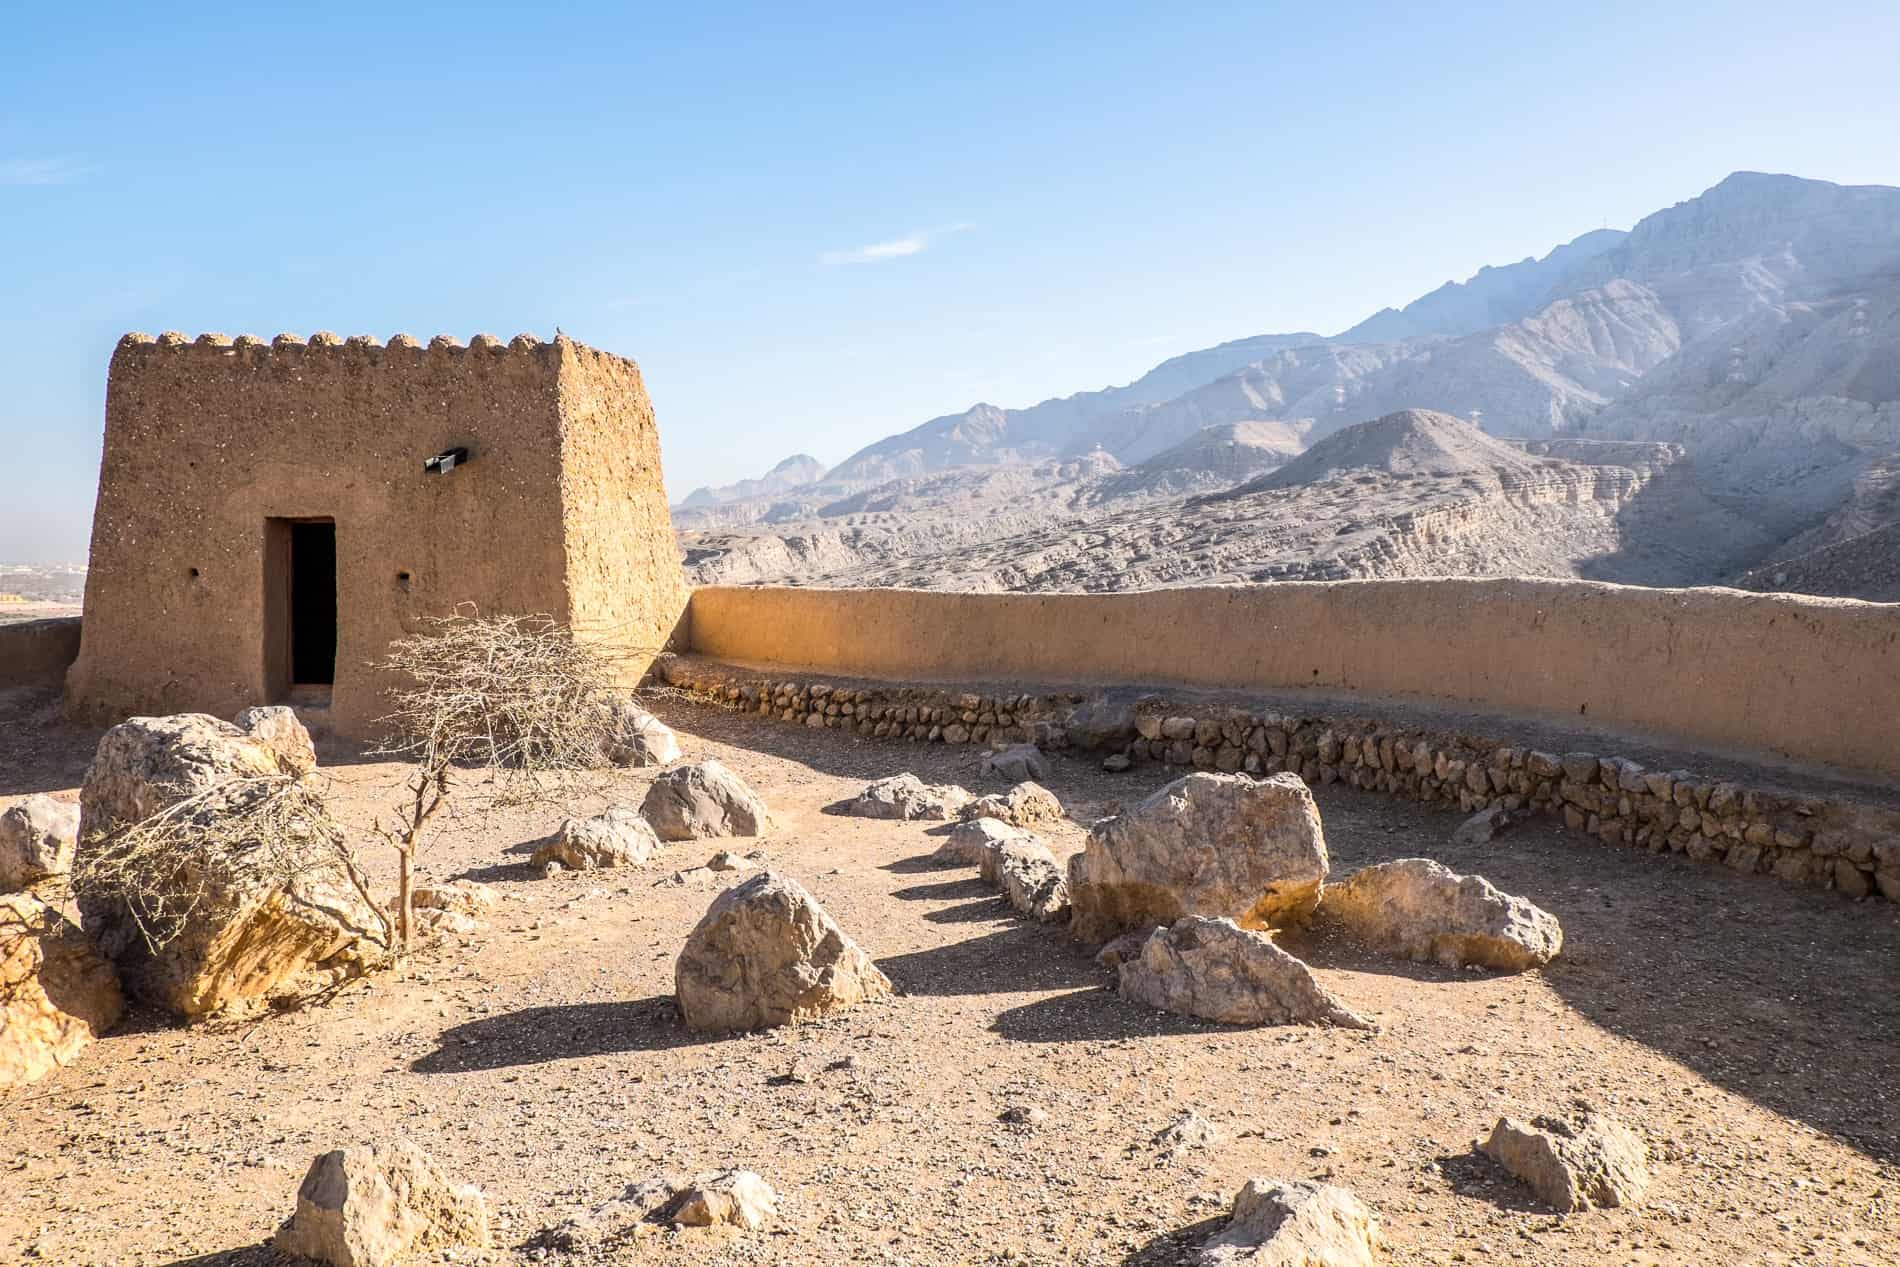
x,y
277,728
37,836
1219,971
693,801
617,838
736,1197
1207,844
1030,878
375,1207
1100,723
455,907
638,738
1122,949
1023,1115
610,1221
1019,763
1426,911
1482,827
972,840
57,996
1294,1223
907,797
1025,805
726,860
767,954
1186,1133
1116,762
269,916
1597,1162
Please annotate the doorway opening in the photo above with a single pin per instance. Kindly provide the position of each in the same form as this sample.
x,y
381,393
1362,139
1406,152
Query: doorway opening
x,y
301,604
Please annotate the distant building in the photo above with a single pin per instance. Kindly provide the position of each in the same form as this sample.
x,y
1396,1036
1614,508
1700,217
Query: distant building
x,y
266,525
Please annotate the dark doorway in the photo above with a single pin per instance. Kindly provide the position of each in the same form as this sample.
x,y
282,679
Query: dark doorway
x,y
312,623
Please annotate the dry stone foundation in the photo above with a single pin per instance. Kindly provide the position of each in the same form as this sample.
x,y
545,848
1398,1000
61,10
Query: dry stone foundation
x,y
1824,841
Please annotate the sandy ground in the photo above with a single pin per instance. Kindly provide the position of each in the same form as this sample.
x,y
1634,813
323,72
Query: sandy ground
x,y
1750,1031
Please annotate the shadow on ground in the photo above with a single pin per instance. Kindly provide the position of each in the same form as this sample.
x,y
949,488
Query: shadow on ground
x,y
1171,1249
245,1256
1014,958
571,1031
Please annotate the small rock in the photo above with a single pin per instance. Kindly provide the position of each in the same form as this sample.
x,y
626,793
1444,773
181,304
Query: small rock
x,y
1025,805
1030,878
37,836
610,1221
907,797
375,1207
736,1197
617,838
1481,827
1294,1224
1023,1115
1597,1162
973,840
1019,763
638,738
694,801
1187,1132
1116,762
277,728
1216,970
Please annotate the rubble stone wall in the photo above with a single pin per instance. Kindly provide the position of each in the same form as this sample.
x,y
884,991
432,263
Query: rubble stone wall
x,y
1820,841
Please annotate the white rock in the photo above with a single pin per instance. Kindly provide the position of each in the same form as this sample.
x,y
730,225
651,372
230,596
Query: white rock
x,y
767,954
1030,878
1481,827
905,796
1208,844
972,840
37,836
691,802
1426,911
376,1207
1025,805
1294,1224
1216,970
57,996
736,1197
638,738
617,838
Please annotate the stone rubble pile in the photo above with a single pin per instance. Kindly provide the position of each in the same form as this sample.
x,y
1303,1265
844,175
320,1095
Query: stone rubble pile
x,y
1025,805
1816,841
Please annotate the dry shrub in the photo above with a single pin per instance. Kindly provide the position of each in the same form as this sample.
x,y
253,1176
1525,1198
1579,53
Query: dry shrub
x,y
515,708
165,867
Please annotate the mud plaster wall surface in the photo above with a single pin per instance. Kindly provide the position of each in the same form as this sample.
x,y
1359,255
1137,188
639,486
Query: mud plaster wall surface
x,y
36,651
1801,679
205,441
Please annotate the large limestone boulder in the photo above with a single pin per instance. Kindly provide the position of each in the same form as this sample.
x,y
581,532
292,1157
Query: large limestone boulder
x,y
1219,971
907,797
1294,1224
378,1207
1029,876
1596,1162
638,738
56,994
247,907
277,728
1426,911
37,836
1025,805
1019,763
767,954
971,841
617,838
691,802
1208,844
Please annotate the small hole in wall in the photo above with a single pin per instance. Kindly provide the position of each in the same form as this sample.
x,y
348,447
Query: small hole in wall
x,y
194,574
402,581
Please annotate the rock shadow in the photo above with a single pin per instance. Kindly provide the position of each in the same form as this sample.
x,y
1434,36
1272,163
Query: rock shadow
x,y
1474,1175
570,1031
260,1255
1015,957
1171,1249
917,864
1097,1015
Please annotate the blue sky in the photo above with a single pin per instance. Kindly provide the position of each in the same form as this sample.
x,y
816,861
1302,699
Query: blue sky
x,y
815,228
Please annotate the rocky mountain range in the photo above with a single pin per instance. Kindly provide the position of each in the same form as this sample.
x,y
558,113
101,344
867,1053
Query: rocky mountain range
x,y
1751,335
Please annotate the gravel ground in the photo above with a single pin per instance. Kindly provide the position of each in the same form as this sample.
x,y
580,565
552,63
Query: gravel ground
x,y
1751,1032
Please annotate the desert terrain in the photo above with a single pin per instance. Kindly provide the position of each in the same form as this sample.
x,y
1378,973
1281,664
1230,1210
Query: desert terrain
x,y
1744,1028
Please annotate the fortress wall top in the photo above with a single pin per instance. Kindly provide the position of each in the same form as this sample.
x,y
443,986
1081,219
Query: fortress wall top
x,y
1807,680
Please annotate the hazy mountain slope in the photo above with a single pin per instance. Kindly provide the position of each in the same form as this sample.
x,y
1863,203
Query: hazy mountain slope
x,y
1490,297
794,472
1411,442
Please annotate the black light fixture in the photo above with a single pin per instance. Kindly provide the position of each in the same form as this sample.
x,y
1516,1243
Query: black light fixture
x,y
445,461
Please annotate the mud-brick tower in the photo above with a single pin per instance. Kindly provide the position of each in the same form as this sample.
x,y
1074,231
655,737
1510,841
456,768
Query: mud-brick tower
x,y
271,515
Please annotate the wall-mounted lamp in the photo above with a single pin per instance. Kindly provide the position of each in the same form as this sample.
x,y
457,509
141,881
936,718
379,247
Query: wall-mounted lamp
x,y
445,461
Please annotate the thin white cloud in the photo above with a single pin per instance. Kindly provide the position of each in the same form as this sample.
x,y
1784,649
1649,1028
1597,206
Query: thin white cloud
x,y
40,171
895,249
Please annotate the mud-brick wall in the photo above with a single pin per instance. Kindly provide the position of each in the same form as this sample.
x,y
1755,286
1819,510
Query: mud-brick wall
x,y
1771,675
37,652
